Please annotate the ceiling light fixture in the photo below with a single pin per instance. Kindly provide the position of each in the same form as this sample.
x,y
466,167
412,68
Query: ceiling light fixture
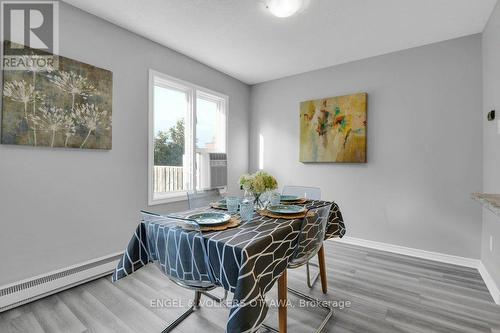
x,y
284,8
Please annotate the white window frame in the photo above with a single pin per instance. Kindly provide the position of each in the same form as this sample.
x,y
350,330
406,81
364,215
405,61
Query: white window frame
x,y
192,90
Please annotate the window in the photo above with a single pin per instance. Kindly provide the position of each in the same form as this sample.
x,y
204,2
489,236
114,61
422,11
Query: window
x,y
186,122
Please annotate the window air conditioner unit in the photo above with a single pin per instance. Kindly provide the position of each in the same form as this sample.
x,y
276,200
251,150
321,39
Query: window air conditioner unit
x,y
212,170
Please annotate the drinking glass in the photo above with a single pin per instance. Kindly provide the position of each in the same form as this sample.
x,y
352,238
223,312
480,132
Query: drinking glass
x,y
232,204
246,210
275,199
265,198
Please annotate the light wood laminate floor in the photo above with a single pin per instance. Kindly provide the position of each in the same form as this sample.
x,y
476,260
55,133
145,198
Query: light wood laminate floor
x,y
388,293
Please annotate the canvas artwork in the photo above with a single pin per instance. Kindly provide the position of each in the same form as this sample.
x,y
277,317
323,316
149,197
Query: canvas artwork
x,y
334,129
68,106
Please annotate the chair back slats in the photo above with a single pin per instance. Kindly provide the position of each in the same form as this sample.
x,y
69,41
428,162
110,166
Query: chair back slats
x,y
313,193
202,198
311,236
186,260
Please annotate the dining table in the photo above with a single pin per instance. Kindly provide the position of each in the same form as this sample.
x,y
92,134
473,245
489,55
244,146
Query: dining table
x,y
246,260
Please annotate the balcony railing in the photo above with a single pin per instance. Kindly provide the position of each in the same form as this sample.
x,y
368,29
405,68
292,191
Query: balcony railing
x,y
168,178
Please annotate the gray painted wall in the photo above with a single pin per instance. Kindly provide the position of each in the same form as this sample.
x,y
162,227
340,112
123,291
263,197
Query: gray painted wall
x,y
491,141
61,207
424,161
424,144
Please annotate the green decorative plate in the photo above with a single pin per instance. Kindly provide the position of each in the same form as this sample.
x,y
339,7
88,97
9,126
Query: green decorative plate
x,y
210,218
289,198
286,209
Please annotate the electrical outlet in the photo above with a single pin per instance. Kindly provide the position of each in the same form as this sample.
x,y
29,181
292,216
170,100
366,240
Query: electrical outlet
x,y
491,243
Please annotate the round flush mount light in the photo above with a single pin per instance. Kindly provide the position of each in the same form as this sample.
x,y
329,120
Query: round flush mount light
x,y
284,8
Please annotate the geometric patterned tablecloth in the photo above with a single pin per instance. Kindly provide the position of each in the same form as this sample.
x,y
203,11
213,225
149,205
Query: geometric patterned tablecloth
x,y
246,260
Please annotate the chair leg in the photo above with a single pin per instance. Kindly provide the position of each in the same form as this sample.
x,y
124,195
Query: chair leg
x,y
197,298
215,298
311,282
319,303
282,306
196,305
322,304
322,270
269,328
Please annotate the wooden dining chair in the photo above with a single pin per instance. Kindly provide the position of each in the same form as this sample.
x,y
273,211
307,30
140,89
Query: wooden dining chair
x,y
186,262
309,244
202,198
312,193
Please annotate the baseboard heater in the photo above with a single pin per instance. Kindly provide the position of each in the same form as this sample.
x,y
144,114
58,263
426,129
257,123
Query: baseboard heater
x,y
29,290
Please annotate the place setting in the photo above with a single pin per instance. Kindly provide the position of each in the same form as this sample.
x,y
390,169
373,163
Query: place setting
x,y
215,221
227,212
259,197
292,200
284,206
284,211
219,215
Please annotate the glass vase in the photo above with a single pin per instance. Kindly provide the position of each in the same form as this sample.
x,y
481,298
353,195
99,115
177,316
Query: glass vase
x,y
258,204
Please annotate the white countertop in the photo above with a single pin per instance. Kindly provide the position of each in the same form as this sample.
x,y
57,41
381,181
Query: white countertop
x,y
490,201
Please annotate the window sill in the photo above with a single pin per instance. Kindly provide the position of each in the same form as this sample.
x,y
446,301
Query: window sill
x,y
166,198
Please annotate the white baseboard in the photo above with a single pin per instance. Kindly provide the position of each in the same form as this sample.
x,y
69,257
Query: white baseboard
x,y
28,290
409,251
490,283
435,256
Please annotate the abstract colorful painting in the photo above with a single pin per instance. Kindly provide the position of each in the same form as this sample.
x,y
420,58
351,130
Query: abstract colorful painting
x,y
69,106
334,129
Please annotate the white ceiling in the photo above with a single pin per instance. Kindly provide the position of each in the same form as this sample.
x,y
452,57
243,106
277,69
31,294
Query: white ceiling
x,y
240,37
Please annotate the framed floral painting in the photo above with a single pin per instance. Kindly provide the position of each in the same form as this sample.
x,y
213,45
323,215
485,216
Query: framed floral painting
x,y
334,129
68,106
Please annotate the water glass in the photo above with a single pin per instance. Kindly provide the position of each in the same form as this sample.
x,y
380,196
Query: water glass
x,y
264,198
246,210
275,199
232,204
